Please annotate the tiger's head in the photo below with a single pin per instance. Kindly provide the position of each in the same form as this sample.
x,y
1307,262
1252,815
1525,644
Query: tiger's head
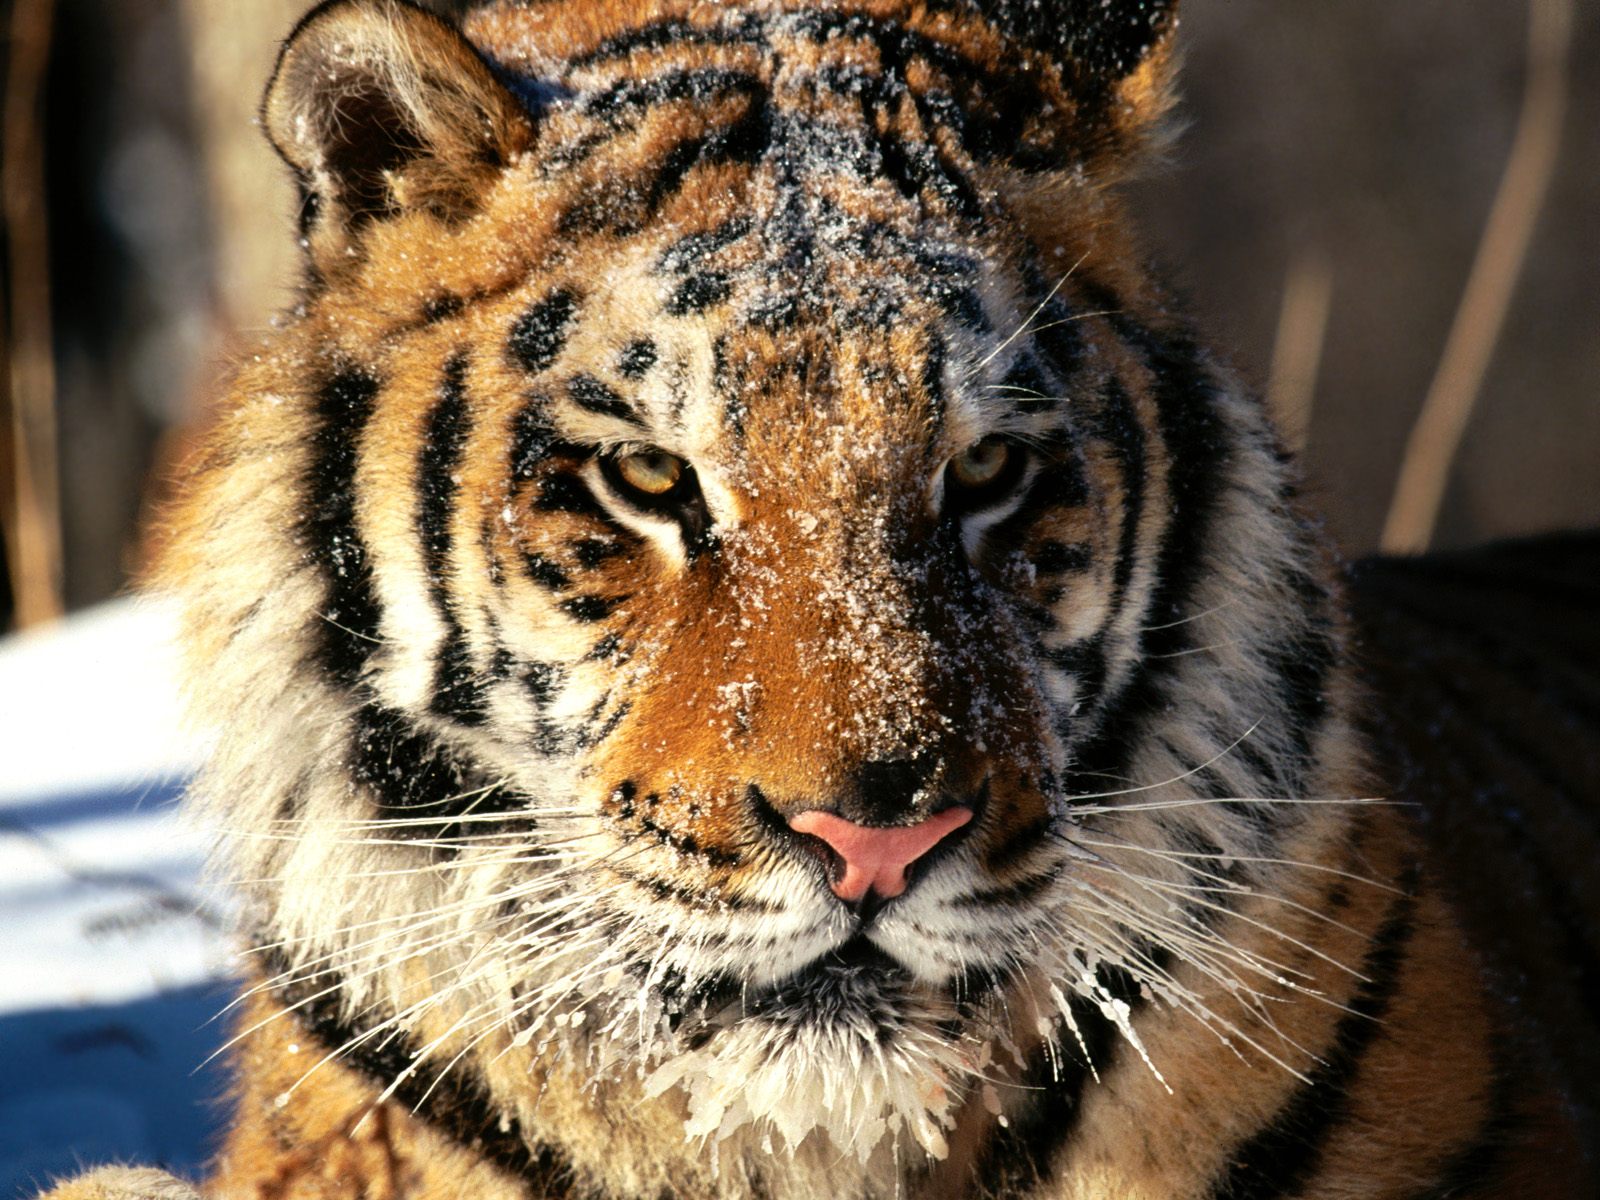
x,y
731,572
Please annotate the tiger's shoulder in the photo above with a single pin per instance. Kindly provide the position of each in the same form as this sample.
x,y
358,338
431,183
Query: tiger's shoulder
x,y
1485,670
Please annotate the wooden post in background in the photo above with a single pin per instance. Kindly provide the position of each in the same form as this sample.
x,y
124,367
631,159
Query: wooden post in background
x,y
30,509
1431,449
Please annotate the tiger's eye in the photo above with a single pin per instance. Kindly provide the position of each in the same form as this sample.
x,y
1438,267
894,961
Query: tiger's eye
x,y
981,464
653,472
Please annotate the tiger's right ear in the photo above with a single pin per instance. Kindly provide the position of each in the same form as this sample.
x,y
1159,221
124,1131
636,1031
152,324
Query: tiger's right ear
x,y
382,108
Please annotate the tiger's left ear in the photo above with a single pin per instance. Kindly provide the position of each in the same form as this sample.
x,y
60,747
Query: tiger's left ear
x,y
1116,61
382,108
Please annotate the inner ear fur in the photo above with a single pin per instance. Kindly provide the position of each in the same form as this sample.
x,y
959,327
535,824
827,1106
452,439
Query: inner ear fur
x,y
380,108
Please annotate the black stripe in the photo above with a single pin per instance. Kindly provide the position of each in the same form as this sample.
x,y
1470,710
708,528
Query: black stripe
x,y
730,384
542,680
896,45
698,293
996,104
544,572
448,428
689,897
623,207
1019,1157
533,438
1117,421
1300,666
589,394
1057,332
457,689
457,1105
1026,387
1197,455
1479,1165
591,552
630,809
592,608
1013,895
1058,483
1102,41
441,307
749,30
1086,662
915,165
744,141
595,730
1018,843
569,494
960,301
935,357
637,358
772,311
1283,1156
700,84
993,109
1051,557
692,249
541,332
607,647
412,776
348,632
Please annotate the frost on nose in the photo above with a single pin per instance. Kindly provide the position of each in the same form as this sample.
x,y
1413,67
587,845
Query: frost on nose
x,y
876,857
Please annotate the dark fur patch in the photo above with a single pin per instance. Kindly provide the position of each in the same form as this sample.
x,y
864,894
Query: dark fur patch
x,y
637,358
1279,1159
457,690
341,408
589,394
456,1103
540,333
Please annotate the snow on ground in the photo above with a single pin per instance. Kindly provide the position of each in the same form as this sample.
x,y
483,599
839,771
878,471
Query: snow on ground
x,y
112,959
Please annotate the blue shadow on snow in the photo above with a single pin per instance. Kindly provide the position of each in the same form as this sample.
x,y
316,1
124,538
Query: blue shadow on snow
x,y
119,1083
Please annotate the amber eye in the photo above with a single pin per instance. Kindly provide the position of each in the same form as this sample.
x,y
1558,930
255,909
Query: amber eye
x,y
983,474
650,472
662,485
980,465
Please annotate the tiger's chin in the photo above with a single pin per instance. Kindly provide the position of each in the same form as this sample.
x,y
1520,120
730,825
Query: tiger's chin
x,y
850,1048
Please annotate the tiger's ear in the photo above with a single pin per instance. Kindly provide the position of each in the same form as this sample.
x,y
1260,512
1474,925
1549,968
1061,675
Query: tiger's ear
x,y
1115,57
382,108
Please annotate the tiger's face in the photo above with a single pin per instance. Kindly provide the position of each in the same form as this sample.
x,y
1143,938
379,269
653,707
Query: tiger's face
x,y
762,604
800,603
728,515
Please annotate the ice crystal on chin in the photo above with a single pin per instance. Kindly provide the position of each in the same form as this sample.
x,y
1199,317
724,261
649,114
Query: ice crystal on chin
x,y
839,1076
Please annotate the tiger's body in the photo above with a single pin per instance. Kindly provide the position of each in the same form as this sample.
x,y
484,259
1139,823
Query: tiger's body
x,y
720,446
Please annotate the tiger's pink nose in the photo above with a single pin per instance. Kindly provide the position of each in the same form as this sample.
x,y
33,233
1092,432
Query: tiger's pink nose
x,y
876,857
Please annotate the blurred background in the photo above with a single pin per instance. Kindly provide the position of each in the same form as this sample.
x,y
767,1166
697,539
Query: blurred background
x,y
1321,212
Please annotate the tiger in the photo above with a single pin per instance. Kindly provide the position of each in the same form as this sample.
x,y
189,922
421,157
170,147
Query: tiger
x,y
757,655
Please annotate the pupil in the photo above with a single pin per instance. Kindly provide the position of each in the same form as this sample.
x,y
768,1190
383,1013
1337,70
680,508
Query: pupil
x,y
984,461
